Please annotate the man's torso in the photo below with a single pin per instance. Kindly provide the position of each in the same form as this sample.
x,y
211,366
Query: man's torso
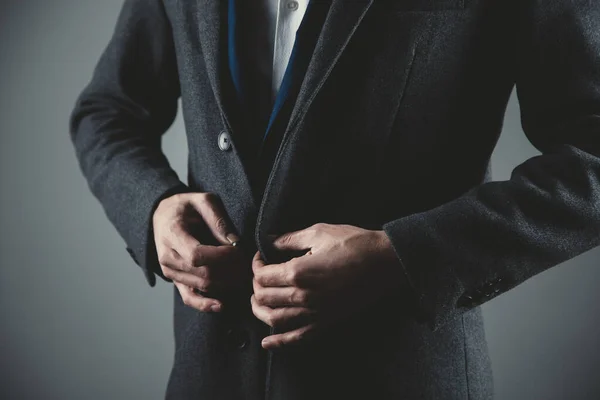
x,y
399,111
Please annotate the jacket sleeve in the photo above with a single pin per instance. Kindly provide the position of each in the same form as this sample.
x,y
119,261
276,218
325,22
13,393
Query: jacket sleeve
x,y
118,121
497,235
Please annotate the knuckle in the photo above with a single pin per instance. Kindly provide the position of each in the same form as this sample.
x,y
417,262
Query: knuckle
x,y
260,280
174,201
317,227
204,307
260,297
178,197
289,239
293,278
294,273
221,224
202,272
256,286
174,225
299,296
197,257
204,285
209,197
272,319
284,239
255,310
163,259
317,230
167,272
186,266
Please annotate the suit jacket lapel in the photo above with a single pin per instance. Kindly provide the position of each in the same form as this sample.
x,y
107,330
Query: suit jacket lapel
x,y
212,21
342,21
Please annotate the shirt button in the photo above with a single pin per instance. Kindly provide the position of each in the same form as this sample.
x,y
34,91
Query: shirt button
x,y
292,5
224,141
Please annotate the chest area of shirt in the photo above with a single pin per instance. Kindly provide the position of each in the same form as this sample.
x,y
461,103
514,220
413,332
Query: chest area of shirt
x,y
265,35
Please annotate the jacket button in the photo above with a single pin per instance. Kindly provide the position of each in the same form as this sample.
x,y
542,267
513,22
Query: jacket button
x,y
224,141
237,337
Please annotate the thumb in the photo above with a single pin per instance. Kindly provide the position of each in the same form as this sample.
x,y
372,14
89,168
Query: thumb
x,y
297,240
212,211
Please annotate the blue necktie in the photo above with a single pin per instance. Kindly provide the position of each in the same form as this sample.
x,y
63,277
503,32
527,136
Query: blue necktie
x,y
268,124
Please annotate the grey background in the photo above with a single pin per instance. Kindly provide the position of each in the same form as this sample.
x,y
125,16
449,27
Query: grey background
x,y
77,319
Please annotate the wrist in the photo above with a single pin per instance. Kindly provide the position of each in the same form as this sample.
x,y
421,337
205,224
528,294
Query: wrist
x,y
385,249
389,258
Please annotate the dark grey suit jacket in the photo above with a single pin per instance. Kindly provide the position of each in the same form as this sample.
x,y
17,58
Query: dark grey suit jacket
x,y
398,115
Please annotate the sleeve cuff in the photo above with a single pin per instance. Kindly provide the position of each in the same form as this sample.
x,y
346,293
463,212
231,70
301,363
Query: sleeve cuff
x,y
433,287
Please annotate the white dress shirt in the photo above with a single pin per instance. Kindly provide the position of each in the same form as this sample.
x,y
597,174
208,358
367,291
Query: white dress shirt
x,y
285,17
270,35
266,39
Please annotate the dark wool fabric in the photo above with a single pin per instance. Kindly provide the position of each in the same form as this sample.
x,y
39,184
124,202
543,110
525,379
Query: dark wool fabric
x,y
392,128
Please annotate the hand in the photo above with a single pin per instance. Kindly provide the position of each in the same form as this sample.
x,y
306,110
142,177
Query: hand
x,y
191,265
345,269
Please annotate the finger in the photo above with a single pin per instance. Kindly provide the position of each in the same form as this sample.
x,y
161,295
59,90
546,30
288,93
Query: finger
x,y
294,272
230,270
289,338
197,301
282,296
289,317
193,224
298,240
189,279
180,239
228,274
169,258
195,254
257,261
274,275
211,208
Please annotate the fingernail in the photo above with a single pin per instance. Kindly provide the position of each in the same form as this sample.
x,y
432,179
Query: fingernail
x,y
215,307
233,238
266,342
